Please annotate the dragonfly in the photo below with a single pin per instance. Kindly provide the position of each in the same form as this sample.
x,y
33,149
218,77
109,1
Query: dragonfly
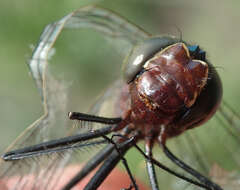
x,y
38,158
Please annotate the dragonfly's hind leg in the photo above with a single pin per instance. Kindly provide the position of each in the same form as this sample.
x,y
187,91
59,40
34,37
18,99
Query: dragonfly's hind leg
x,y
90,166
109,164
124,161
150,165
209,184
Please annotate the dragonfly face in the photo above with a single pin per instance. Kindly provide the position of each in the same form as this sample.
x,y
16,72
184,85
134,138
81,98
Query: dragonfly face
x,y
121,96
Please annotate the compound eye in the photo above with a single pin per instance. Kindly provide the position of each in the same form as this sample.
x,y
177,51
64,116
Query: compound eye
x,y
197,53
141,53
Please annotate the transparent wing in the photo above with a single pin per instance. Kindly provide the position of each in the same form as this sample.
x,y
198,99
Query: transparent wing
x,y
44,172
199,147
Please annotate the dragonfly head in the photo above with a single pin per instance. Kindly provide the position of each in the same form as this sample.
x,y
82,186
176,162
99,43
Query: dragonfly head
x,y
171,83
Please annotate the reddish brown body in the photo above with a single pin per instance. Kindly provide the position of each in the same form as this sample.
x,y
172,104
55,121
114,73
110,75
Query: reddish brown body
x,y
170,82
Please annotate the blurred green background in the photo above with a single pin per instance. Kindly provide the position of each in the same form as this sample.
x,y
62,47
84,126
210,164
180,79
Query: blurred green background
x,y
213,24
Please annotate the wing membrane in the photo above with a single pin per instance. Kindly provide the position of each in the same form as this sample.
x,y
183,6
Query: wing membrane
x,y
198,147
44,172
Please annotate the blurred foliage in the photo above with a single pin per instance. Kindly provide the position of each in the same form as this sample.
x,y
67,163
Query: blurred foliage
x,y
214,25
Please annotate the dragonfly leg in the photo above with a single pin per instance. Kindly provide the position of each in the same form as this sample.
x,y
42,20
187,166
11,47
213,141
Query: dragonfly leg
x,y
124,161
92,118
165,168
210,185
150,165
91,165
108,165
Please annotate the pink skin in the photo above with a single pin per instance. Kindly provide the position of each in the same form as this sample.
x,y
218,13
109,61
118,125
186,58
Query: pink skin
x,y
116,180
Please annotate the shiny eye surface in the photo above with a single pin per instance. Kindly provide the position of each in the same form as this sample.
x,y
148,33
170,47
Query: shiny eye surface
x,y
141,53
197,53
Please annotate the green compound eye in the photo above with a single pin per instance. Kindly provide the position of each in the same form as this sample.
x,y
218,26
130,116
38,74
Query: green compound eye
x,y
142,52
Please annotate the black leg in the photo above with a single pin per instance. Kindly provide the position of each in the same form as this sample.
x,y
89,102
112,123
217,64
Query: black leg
x,y
210,185
57,145
157,163
108,166
91,165
150,165
93,118
124,161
